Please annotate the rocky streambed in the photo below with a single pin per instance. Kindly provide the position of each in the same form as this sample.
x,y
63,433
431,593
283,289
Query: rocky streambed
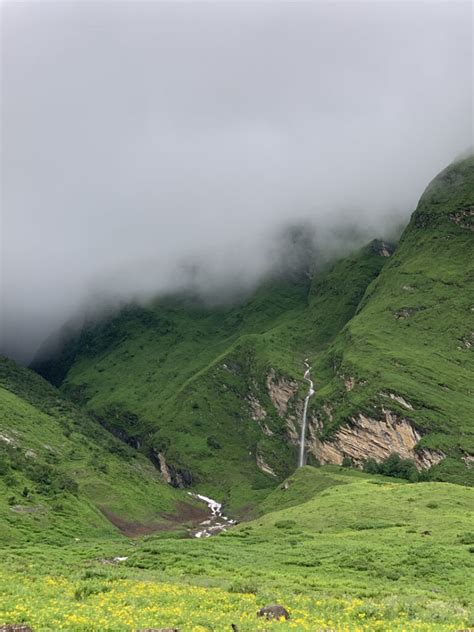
x,y
215,523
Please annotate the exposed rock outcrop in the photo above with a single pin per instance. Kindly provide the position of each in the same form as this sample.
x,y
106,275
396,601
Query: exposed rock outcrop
x,y
172,475
464,218
264,467
281,390
6,439
468,460
385,249
365,437
328,410
349,383
407,312
257,411
398,398
292,432
467,341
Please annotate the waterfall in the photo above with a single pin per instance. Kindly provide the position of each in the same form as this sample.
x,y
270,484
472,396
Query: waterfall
x,y
305,412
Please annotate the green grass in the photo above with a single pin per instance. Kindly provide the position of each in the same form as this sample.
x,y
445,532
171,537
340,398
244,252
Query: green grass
x,y
360,552
424,356
60,470
178,375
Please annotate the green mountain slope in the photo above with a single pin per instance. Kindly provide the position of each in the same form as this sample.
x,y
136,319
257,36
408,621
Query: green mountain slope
x,y
214,395
62,476
209,390
408,350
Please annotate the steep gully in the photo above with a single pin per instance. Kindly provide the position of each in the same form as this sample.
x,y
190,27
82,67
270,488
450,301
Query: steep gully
x,y
217,522
307,377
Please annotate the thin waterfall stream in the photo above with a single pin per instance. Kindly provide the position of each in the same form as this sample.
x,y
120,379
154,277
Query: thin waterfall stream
x,y
307,377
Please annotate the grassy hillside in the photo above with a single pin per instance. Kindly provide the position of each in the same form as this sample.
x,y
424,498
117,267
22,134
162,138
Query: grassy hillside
x,y
191,382
360,553
218,392
62,476
413,332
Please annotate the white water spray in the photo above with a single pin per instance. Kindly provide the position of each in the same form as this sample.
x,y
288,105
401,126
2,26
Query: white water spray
x,y
307,377
216,522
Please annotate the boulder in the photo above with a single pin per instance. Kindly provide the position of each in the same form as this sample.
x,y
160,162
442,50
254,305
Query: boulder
x,y
273,612
159,630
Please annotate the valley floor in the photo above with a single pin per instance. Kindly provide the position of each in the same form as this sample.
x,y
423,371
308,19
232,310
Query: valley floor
x,y
341,550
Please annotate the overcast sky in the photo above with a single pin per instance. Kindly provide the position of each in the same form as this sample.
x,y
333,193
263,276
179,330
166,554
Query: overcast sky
x,y
141,137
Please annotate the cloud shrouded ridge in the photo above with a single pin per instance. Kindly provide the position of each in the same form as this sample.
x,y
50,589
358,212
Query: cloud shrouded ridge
x,y
144,140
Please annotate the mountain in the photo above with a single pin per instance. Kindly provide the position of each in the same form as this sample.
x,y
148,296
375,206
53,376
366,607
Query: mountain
x,y
400,374
213,396
207,391
63,476
147,403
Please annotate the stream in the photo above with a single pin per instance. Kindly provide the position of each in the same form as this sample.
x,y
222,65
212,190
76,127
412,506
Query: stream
x,y
307,377
216,523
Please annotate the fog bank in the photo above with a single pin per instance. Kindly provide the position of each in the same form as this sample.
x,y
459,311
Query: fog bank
x,y
147,145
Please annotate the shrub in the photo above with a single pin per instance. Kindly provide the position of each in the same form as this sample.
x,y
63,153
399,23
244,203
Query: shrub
x,y
285,524
91,574
213,443
395,466
243,586
466,538
371,466
10,480
4,467
67,484
92,588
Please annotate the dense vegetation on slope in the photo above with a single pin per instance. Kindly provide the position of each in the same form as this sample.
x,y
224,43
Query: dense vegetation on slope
x,y
179,378
218,392
61,474
413,331
358,553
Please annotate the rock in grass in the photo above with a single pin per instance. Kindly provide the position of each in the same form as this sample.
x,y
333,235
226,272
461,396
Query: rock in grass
x,y
273,612
15,627
159,630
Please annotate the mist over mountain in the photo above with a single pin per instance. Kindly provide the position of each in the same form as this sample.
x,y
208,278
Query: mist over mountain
x,y
150,147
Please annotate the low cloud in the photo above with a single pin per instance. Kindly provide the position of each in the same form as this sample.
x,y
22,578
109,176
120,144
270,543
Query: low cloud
x,y
150,145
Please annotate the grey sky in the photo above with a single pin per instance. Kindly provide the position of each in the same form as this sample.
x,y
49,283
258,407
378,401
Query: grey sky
x,y
138,136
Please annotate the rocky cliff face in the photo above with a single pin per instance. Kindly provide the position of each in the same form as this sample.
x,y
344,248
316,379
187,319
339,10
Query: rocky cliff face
x,y
280,390
172,475
366,437
361,438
